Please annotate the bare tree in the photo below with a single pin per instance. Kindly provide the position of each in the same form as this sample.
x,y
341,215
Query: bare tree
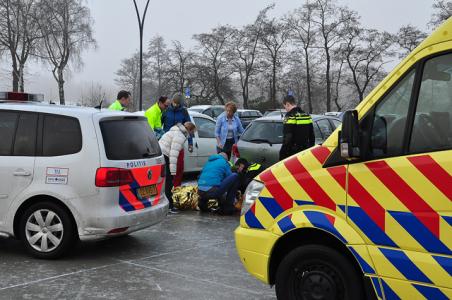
x,y
274,38
180,63
442,12
408,38
66,26
94,95
331,20
303,34
158,63
365,53
245,43
216,52
18,35
128,77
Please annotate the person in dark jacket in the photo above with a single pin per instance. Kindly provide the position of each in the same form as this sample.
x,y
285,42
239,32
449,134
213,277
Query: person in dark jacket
x,y
175,114
247,172
298,130
215,181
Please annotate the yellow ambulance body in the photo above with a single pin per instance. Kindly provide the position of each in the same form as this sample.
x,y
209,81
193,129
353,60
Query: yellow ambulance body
x,y
368,215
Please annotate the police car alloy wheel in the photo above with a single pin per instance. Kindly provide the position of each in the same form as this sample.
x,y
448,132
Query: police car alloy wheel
x,y
47,230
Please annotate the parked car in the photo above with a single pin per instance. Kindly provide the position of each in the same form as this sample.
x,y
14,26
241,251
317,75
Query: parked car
x,y
262,139
204,141
212,111
70,173
278,112
248,115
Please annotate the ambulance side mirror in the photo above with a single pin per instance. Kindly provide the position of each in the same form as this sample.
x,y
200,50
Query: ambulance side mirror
x,y
349,135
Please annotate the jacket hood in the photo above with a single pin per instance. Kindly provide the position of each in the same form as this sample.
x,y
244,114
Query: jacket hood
x,y
215,157
181,128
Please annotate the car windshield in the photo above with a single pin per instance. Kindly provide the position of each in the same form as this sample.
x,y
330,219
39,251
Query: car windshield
x,y
199,110
129,138
271,132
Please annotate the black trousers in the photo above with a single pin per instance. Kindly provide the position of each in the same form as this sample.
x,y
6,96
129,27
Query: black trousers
x,y
168,182
227,147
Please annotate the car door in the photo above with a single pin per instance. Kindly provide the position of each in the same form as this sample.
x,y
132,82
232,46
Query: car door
x,y
400,195
17,155
205,144
191,158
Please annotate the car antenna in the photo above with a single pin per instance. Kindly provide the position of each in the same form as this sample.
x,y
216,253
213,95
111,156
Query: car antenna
x,y
99,107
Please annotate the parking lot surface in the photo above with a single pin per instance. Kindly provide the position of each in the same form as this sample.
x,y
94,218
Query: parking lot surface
x,y
188,256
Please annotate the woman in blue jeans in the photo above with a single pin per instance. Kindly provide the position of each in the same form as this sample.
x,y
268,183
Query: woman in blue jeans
x,y
228,129
217,180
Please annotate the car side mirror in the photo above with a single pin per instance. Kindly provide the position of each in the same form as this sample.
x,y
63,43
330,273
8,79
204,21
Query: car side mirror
x,y
349,135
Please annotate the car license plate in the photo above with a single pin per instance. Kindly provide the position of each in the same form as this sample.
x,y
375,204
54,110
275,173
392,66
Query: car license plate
x,y
147,191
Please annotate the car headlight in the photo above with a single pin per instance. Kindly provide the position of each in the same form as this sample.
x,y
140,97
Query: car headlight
x,y
251,194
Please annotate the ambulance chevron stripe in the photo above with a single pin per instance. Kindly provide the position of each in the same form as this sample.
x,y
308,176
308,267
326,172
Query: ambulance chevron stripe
x,y
430,292
364,265
286,224
279,193
434,172
405,266
308,183
323,221
389,293
406,195
272,206
419,232
445,263
377,286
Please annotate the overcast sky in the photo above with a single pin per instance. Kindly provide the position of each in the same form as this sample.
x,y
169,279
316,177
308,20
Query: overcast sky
x,y
116,31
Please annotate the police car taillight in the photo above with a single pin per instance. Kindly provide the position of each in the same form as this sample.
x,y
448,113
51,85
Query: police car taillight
x,y
25,97
110,177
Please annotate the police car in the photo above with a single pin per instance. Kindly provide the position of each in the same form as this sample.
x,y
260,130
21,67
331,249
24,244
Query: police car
x,y
70,173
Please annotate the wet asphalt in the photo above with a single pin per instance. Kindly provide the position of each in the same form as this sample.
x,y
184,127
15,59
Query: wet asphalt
x,y
187,256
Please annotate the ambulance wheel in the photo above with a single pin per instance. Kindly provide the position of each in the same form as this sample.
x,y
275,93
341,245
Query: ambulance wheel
x,y
47,230
317,272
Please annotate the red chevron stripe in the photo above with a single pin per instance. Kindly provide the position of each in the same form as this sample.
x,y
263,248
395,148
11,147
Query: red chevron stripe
x,y
127,193
308,183
434,172
321,153
276,189
406,195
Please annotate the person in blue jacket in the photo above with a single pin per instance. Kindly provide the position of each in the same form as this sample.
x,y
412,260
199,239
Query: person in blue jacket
x,y
228,129
175,114
215,181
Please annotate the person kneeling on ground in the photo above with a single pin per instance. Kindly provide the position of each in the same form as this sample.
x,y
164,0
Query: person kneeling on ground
x,y
247,172
172,144
217,179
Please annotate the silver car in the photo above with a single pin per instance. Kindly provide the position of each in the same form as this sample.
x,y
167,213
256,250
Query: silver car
x,y
263,138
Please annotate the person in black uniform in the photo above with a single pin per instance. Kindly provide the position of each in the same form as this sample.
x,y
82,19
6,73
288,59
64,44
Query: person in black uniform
x,y
298,131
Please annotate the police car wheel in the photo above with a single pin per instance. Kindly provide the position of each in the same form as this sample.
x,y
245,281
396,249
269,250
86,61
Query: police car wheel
x,y
317,272
47,230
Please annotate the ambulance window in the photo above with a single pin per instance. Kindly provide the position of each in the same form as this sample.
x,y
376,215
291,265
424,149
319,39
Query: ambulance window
x,y
25,141
61,136
390,119
432,127
8,123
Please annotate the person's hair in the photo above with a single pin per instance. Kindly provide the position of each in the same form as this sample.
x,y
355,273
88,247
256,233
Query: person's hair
x,y
290,100
178,98
242,161
163,99
123,94
190,126
225,155
232,105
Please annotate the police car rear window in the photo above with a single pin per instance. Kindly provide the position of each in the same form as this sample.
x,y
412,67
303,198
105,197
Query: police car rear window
x,y
129,138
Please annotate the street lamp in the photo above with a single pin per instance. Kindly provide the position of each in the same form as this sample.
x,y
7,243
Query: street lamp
x,y
141,25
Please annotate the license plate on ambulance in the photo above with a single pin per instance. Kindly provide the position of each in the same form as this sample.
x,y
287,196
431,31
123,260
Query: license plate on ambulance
x,y
147,191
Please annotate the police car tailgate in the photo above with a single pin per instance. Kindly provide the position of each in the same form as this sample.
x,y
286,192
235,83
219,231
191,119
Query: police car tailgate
x,y
130,159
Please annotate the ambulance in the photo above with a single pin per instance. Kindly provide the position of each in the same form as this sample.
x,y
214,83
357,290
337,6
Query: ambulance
x,y
367,214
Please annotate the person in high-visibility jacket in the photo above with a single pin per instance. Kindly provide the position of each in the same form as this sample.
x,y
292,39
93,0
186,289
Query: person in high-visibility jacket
x,y
154,115
298,130
247,172
123,100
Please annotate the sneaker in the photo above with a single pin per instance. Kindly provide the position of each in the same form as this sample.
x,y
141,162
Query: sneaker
x,y
173,211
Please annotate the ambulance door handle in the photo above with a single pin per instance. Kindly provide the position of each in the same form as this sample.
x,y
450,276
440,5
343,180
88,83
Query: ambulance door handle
x,y
21,173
